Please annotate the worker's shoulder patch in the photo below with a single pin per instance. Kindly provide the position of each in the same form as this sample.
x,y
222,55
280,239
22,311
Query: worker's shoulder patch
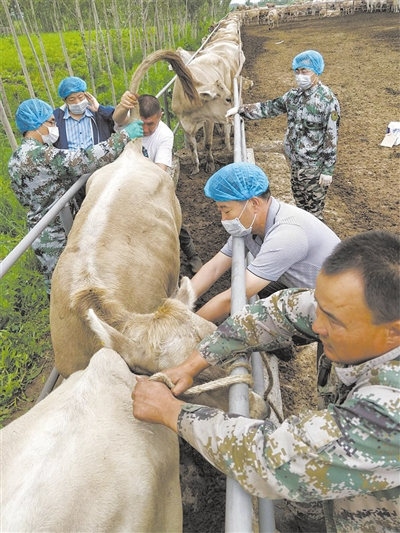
x,y
334,115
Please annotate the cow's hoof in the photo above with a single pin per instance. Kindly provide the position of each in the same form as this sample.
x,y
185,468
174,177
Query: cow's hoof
x,y
194,171
210,168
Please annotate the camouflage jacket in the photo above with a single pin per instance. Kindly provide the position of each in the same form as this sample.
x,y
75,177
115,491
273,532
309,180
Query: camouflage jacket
x,y
41,174
313,122
347,453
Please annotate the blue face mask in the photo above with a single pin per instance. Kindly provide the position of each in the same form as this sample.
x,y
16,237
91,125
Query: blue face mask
x,y
235,227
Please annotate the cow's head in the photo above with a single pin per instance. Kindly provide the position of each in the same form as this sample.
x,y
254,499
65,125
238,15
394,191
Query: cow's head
x,y
156,341
217,90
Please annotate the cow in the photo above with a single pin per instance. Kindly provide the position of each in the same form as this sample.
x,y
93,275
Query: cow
x,y
213,70
79,461
273,18
122,254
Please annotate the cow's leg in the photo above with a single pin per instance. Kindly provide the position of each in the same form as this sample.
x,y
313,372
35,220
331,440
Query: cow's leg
x,y
191,143
227,135
208,137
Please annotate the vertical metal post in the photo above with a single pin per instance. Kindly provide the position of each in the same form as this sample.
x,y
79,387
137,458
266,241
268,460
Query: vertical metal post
x,y
239,506
238,502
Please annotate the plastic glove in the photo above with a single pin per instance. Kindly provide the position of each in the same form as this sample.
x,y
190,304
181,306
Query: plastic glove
x,y
232,111
325,180
134,129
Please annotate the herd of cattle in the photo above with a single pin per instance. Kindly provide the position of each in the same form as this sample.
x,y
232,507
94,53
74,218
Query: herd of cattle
x,y
273,14
78,460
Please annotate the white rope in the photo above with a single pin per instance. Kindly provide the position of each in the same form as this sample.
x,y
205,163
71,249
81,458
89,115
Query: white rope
x,y
212,385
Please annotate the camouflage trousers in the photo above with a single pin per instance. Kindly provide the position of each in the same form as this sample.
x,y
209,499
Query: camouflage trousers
x,y
308,193
48,247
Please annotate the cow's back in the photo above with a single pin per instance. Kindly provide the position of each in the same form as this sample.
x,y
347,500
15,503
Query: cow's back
x,y
122,254
80,461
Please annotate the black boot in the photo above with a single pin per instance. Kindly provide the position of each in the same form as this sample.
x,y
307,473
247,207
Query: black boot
x,y
193,257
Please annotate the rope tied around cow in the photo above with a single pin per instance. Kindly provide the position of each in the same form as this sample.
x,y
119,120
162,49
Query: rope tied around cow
x,y
212,385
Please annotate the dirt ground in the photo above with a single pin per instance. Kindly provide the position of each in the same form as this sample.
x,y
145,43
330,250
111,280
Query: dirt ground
x,y
361,57
362,68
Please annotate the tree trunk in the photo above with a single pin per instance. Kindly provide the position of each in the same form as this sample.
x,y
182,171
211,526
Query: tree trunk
x,y
7,107
39,65
20,54
109,38
7,128
85,47
60,28
119,38
110,77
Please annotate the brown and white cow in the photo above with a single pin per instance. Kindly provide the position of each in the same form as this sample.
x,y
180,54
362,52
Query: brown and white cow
x,y
122,254
213,70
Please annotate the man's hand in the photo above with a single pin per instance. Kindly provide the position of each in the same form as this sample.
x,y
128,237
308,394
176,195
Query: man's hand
x,y
129,100
93,103
154,402
325,180
232,111
183,374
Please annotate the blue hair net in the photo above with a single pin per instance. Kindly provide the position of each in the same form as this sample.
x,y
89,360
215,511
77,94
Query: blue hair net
x,y
31,114
71,85
237,181
311,60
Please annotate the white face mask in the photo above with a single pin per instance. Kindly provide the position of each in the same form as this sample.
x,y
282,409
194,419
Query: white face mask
x,y
235,227
80,108
52,136
304,81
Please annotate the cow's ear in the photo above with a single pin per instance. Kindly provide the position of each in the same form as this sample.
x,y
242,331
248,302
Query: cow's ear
x,y
185,293
206,95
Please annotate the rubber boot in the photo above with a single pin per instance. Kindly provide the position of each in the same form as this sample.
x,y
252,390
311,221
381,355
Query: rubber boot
x,y
193,257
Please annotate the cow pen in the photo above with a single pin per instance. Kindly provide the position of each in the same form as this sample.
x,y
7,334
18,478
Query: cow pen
x,y
239,505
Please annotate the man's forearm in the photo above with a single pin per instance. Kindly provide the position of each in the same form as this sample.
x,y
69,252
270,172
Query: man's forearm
x,y
121,115
217,308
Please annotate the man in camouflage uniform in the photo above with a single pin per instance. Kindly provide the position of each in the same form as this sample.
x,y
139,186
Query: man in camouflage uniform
x,y
310,142
41,174
346,455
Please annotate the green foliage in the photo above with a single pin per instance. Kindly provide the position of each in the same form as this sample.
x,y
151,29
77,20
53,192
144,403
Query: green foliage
x,y
24,306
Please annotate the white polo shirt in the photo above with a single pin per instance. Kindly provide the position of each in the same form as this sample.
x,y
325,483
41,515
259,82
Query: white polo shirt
x,y
294,247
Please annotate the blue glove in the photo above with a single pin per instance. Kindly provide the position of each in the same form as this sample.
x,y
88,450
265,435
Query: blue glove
x,y
134,129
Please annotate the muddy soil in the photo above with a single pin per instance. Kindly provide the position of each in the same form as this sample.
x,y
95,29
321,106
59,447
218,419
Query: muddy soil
x,y
361,67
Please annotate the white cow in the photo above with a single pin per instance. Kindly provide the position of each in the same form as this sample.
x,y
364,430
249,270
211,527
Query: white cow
x,y
213,71
122,254
79,461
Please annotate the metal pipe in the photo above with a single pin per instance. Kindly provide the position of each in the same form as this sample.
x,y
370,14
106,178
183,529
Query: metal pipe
x,y
239,509
49,385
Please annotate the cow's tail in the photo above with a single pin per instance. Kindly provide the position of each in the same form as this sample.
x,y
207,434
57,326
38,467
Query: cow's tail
x,y
175,60
98,299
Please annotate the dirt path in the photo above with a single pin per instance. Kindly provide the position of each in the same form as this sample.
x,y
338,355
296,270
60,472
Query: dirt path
x,y
361,67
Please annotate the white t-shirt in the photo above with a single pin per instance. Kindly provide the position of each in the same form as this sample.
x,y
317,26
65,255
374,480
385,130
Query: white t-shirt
x,y
159,145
